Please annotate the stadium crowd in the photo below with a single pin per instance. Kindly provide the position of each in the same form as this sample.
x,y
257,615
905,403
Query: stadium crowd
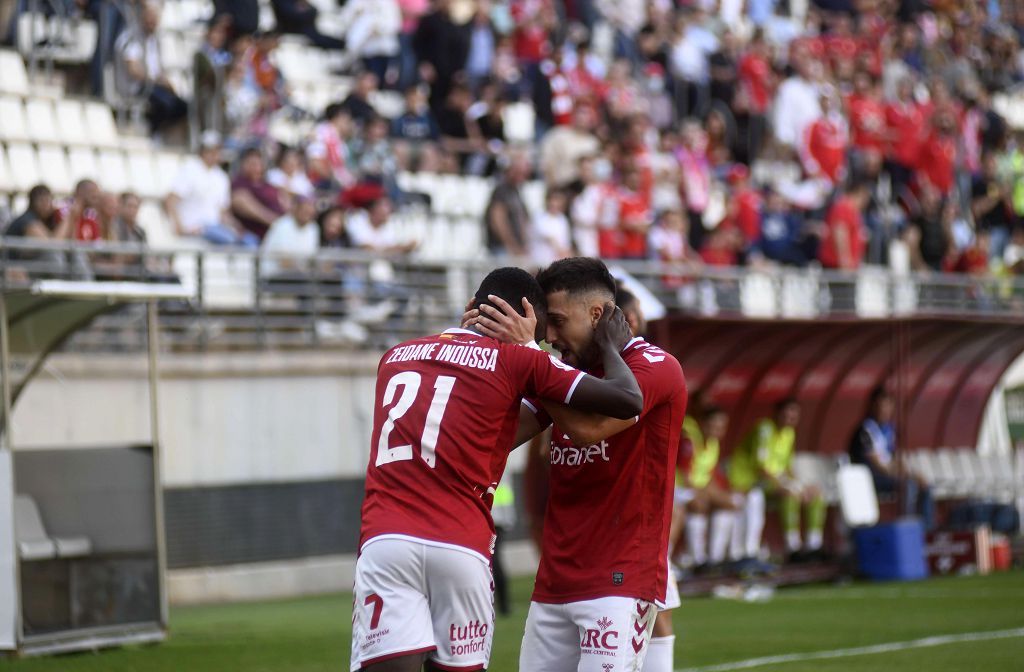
x,y
703,133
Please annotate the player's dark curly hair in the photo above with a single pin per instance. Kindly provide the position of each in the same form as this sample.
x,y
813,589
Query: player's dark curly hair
x,y
512,284
577,275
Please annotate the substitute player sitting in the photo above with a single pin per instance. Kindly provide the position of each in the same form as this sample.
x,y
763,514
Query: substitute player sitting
x,y
705,491
447,407
763,463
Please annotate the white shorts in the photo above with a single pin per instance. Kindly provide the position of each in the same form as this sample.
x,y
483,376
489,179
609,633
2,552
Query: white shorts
x,y
672,600
684,496
608,634
412,597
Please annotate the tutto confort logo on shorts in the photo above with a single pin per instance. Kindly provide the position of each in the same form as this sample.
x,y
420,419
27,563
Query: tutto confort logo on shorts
x,y
571,456
469,638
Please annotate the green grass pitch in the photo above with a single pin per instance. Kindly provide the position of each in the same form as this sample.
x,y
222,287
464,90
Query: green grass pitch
x,y
312,635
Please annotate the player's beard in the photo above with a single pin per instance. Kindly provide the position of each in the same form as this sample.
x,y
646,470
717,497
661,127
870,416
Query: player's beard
x,y
587,361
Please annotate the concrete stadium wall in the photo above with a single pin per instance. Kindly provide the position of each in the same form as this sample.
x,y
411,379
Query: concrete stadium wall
x,y
263,459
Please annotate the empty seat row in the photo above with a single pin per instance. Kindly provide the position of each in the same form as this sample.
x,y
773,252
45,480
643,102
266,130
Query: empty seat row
x,y
34,543
958,473
68,122
15,77
65,40
149,174
451,195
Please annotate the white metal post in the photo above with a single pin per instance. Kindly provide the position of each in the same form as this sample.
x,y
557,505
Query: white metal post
x,y
11,633
152,341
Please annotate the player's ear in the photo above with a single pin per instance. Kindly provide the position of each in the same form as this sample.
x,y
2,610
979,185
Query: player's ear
x,y
596,310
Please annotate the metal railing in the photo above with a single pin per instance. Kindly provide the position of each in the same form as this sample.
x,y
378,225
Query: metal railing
x,y
243,299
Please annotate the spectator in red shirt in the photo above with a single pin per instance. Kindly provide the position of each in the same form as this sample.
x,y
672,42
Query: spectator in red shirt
x,y
722,246
745,206
80,211
937,159
867,114
533,20
757,82
843,239
905,125
841,47
757,79
826,140
635,216
974,259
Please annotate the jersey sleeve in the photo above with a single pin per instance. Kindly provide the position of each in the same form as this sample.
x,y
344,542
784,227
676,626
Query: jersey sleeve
x,y
542,376
533,405
658,373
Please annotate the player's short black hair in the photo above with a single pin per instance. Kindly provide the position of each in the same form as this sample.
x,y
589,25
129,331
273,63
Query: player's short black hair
x,y
37,192
711,410
785,403
512,284
577,275
878,394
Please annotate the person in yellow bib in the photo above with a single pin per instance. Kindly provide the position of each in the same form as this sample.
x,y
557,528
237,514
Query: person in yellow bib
x,y
763,464
703,490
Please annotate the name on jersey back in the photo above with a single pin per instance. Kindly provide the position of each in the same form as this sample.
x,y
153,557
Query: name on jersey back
x,y
472,356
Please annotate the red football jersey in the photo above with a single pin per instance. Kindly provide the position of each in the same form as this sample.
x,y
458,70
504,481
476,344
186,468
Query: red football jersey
x,y
867,123
610,504
446,411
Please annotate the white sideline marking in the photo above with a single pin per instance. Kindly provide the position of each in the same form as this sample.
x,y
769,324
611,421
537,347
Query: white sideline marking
x,y
859,651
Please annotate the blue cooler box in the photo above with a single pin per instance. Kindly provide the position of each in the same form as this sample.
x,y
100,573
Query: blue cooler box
x,y
892,551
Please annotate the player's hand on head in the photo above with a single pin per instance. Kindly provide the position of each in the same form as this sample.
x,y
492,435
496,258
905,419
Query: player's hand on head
x,y
612,330
471,316
502,322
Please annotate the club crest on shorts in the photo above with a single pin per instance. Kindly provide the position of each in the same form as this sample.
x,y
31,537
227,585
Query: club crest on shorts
x,y
618,578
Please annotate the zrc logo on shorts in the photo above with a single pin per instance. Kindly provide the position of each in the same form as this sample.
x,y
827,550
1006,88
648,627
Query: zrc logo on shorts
x,y
600,640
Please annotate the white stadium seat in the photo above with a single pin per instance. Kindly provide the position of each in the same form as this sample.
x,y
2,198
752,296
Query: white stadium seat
x,y
13,126
23,166
82,163
71,122
172,51
42,126
53,165
99,124
6,183
113,175
142,174
154,222
15,78
19,203
167,166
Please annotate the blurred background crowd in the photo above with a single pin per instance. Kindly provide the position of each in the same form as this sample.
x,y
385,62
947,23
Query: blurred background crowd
x,y
700,132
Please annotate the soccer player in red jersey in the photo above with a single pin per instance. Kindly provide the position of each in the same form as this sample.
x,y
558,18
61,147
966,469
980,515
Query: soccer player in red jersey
x,y
446,410
604,553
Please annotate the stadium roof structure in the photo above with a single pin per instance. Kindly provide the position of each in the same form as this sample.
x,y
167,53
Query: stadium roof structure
x,y
942,372
35,320
77,488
